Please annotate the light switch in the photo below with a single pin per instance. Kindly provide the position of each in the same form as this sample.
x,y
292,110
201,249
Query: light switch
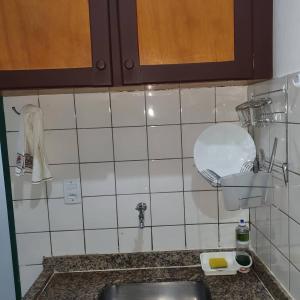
x,y
72,191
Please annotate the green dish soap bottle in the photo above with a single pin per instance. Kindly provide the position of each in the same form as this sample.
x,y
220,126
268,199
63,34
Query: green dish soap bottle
x,y
242,235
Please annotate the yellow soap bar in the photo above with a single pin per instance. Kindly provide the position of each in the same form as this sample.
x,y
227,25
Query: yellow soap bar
x,y
218,263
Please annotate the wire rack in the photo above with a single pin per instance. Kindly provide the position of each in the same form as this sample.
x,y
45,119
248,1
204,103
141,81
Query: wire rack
x,y
259,112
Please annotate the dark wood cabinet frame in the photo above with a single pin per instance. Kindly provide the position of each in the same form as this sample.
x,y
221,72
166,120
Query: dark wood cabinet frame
x,y
98,75
133,72
262,38
115,54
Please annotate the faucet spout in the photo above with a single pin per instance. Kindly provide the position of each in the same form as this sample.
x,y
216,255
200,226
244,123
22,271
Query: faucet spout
x,y
141,208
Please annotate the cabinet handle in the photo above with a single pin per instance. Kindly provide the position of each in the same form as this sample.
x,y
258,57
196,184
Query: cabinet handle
x,y
101,65
129,64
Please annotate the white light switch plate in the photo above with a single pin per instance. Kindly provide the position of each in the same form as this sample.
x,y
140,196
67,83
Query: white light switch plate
x,y
72,191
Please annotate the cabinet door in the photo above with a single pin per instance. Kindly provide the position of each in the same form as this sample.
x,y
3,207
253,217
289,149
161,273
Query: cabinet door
x,y
52,43
185,40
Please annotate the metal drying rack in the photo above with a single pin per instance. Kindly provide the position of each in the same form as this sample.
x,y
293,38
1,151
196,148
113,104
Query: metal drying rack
x,y
258,112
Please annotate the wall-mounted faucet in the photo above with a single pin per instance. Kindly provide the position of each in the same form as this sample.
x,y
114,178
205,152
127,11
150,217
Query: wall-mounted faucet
x,y
141,208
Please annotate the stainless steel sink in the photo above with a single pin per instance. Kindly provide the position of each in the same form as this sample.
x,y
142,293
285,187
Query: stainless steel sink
x,y
183,290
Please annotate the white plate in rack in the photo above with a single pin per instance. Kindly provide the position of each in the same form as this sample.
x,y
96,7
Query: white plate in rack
x,y
224,148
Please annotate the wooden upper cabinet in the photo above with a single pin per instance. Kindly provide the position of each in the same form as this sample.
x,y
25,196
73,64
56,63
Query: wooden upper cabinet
x,y
185,32
52,43
74,43
190,40
45,35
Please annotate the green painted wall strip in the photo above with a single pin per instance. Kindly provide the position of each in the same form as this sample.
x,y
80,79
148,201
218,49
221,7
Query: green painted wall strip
x,y
9,201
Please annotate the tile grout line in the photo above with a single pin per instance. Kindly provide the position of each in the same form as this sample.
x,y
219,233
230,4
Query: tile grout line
x,y
127,126
114,166
256,230
148,165
288,181
124,227
121,194
294,172
140,126
270,234
112,161
215,98
48,213
269,246
219,227
104,228
182,171
286,214
47,196
252,224
80,177
272,244
218,204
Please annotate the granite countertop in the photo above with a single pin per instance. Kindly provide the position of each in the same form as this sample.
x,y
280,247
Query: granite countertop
x,y
83,277
87,285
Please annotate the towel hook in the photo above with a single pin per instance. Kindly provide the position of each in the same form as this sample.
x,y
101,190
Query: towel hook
x,y
15,110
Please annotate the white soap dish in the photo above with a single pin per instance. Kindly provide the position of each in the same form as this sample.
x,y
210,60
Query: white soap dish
x,y
231,269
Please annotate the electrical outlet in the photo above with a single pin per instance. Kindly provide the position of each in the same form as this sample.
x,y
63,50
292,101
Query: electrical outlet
x,y
72,191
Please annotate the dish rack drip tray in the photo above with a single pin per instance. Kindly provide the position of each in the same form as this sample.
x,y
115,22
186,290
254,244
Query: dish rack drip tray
x,y
246,190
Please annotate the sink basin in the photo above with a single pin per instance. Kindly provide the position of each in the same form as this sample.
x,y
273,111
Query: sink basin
x,y
183,290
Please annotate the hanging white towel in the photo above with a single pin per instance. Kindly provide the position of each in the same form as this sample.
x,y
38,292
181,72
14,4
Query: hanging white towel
x,y
31,156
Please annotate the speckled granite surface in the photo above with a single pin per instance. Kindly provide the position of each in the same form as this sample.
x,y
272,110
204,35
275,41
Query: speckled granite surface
x,y
87,285
61,279
121,261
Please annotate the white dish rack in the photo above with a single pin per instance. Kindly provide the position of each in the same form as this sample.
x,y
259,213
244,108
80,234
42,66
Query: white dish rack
x,y
250,187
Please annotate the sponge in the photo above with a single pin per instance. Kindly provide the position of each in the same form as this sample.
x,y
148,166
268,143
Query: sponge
x,y
218,263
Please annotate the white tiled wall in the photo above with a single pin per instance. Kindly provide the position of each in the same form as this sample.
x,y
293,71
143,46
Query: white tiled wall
x,y
276,229
126,148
